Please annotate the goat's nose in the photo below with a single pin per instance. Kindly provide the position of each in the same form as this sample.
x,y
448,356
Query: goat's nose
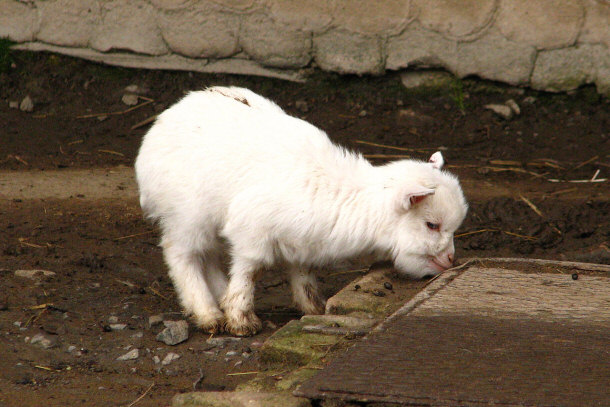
x,y
451,258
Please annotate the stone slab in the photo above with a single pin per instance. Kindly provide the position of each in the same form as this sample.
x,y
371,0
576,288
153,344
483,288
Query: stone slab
x,y
237,399
485,336
368,295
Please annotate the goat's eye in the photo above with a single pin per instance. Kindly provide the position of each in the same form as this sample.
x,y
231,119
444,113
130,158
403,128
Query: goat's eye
x,y
433,226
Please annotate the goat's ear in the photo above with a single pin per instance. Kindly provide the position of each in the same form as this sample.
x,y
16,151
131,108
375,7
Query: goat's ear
x,y
437,160
410,196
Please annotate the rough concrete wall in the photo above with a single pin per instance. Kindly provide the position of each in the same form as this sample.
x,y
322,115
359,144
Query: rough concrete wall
x,y
553,45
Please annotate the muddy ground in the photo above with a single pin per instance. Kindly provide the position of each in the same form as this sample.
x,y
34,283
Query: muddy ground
x,y
108,268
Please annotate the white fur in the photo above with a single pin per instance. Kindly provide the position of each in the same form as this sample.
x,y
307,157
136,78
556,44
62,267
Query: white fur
x,y
226,169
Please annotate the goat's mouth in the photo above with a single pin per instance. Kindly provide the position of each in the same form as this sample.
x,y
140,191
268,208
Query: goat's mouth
x,y
438,265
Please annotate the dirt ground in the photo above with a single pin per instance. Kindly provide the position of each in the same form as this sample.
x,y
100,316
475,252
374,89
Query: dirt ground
x,y
108,268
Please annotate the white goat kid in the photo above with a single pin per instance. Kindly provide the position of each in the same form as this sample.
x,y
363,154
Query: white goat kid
x,y
227,170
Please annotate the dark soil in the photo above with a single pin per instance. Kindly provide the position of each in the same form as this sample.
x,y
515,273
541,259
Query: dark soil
x,y
106,259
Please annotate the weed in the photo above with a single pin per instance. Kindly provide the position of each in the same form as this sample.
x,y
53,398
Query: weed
x,y
6,59
457,94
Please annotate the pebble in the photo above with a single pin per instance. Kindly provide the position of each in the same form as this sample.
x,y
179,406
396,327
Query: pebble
x,y
26,105
175,332
43,341
133,88
232,353
155,320
169,358
387,285
138,335
117,327
71,348
221,341
575,276
529,100
113,319
33,274
362,113
513,106
131,355
13,104
156,359
501,110
130,99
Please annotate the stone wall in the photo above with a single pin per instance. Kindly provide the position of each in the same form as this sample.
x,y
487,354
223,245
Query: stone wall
x,y
554,45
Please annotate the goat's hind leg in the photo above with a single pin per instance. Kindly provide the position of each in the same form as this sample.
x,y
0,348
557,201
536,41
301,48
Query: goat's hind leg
x,y
305,292
186,269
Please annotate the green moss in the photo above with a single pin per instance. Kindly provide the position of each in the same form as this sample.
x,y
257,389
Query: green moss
x,y
291,346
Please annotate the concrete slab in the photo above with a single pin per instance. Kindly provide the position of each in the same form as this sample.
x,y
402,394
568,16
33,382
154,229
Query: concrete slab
x,y
504,333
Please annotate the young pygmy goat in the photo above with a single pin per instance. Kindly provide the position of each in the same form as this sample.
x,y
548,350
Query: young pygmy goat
x,y
227,169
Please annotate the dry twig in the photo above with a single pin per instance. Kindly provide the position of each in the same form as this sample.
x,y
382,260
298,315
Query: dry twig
x,y
582,164
368,143
242,373
531,205
386,156
131,109
111,152
134,235
144,122
142,396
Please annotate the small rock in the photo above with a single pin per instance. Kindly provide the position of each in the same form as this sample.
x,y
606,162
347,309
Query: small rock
x,y
131,355
26,105
387,285
175,333
238,363
501,110
130,99
117,327
138,335
222,341
133,88
302,106
362,113
71,348
232,353
17,324
513,106
575,276
13,104
169,358
378,293
156,359
529,100
43,341
425,79
155,320
113,319
34,274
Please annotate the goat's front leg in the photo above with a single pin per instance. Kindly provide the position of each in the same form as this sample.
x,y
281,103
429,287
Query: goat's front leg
x,y
238,300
